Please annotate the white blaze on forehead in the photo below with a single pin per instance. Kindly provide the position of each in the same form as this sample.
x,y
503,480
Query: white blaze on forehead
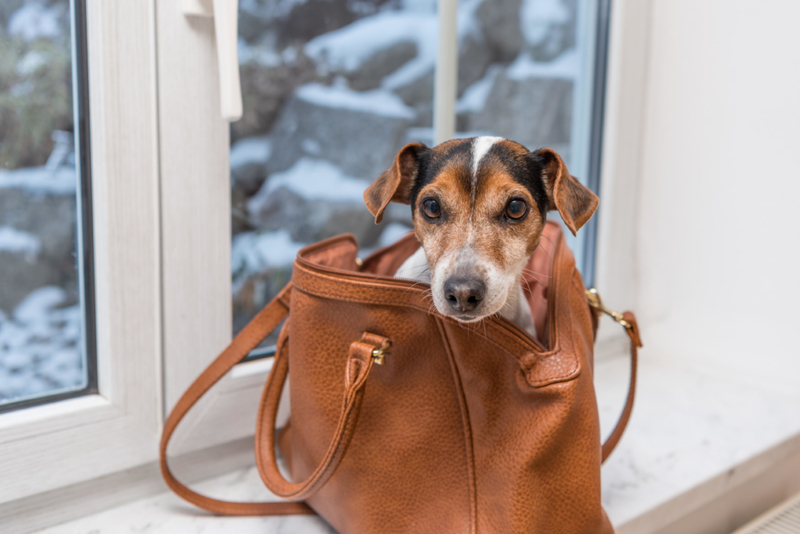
x,y
480,146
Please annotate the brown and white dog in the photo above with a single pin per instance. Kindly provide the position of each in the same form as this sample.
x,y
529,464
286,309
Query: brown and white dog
x,y
479,206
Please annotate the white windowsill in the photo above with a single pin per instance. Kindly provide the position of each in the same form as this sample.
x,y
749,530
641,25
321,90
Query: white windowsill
x,y
694,438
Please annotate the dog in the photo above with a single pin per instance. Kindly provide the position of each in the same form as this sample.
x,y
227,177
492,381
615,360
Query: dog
x,y
479,206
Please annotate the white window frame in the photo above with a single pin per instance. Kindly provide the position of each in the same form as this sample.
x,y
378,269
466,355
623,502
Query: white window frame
x,y
161,188
47,448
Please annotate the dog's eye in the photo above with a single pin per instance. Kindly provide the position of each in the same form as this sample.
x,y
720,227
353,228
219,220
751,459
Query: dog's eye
x,y
431,208
516,209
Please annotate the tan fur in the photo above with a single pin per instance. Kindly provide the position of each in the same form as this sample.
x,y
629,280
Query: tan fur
x,y
472,238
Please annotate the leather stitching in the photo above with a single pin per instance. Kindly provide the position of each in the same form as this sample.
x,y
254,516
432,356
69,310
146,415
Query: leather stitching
x,y
465,419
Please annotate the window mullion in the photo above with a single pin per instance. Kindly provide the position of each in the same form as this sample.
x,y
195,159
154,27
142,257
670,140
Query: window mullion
x,y
446,81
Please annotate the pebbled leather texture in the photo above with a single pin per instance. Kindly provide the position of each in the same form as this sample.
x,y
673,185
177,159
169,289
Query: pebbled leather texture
x,y
481,429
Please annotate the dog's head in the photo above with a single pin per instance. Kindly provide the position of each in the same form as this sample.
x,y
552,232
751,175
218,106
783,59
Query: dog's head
x,y
479,207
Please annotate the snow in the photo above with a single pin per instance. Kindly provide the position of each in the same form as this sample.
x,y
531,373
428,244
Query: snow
x,y
566,66
311,179
255,252
16,241
40,346
311,146
34,21
41,180
349,47
474,97
251,150
537,16
420,6
31,62
377,102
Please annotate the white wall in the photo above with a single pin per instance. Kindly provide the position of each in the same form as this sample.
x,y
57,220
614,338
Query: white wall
x,y
718,243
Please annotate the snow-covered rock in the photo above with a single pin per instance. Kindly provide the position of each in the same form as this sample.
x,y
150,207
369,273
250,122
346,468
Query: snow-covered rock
x,y
548,27
40,346
356,131
531,110
500,22
248,161
311,201
34,20
37,231
381,64
15,241
348,49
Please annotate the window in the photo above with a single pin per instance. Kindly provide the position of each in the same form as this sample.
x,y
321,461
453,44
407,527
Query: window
x,y
332,90
57,445
46,303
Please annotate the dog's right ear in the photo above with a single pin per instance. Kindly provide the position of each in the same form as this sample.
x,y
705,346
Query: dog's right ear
x,y
395,183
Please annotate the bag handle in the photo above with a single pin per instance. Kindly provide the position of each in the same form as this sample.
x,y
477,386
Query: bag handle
x,y
363,354
251,335
628,321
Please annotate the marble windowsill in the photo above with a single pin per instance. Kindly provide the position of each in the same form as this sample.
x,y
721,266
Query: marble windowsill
x,y
688,429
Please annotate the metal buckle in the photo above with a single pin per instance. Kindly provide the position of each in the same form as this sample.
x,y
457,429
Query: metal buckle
x,y
597,303
379,355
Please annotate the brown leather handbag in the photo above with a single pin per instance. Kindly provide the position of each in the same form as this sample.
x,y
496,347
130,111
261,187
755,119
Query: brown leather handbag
x,y
403,420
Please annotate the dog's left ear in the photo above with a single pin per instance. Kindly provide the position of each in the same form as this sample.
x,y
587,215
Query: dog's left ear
x,y
395,183
575,203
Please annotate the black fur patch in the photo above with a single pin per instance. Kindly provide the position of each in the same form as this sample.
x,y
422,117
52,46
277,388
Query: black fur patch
x,y
433,161
525,169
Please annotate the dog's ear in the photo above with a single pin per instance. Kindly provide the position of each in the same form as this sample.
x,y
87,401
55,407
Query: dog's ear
x,y
575,203
395,183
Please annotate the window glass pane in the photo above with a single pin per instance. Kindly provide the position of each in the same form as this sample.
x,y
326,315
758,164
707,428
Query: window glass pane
x,y
332,90
41,312
530,77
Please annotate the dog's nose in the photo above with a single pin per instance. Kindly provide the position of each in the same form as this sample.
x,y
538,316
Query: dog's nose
x,y
464,294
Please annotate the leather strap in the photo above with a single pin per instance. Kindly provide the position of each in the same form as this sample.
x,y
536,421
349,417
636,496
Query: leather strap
x,y
251,335
359,364
636,343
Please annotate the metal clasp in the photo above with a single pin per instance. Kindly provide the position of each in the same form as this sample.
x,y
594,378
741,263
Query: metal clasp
x,y
380,354
597,303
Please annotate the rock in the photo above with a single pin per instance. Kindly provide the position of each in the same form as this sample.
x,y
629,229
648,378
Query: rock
x,y
417,91
500,22
380,64
305,20
7,9
548,27
532,111
248,161
21,276
311,220
256,17
474,57
266,87
358,132
48,218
